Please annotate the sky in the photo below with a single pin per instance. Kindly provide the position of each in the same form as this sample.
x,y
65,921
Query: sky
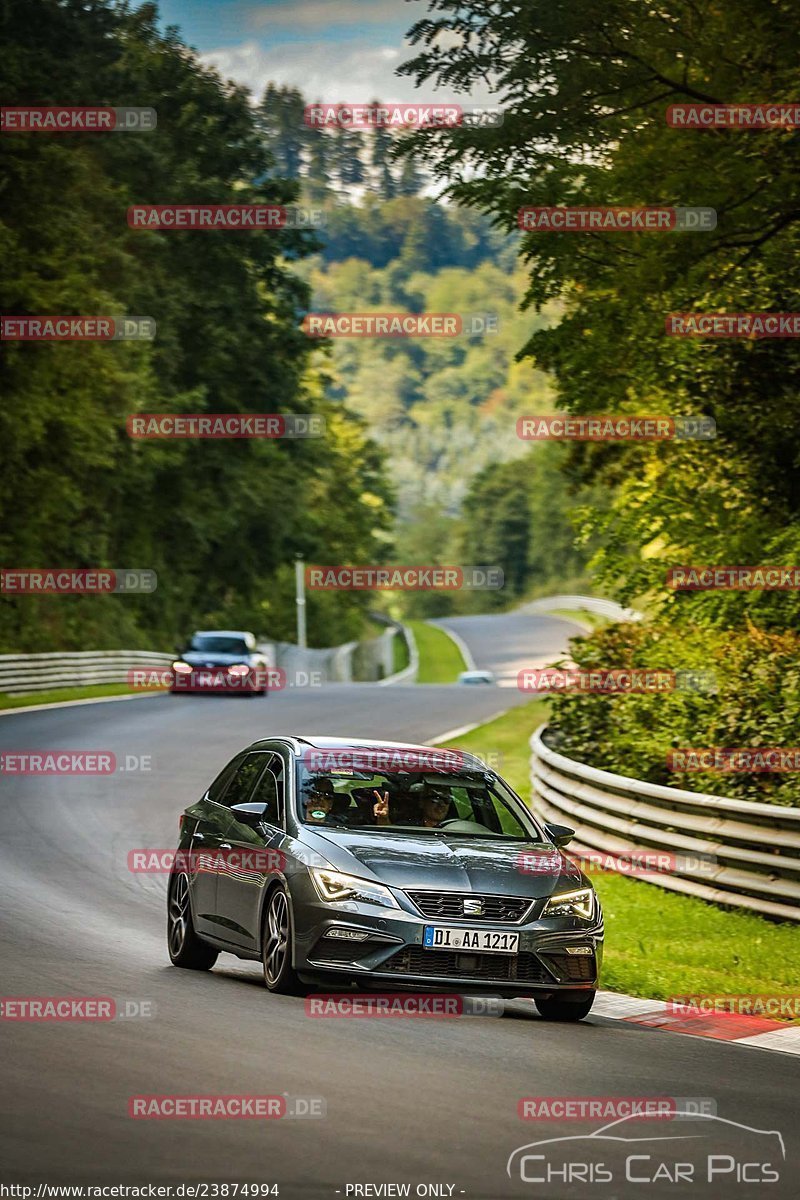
x,y
333,50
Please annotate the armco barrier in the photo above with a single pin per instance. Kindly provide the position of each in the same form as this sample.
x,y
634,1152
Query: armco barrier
x,y
604,608
23,673
754,848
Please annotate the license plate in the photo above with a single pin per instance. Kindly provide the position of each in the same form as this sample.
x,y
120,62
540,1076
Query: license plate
x,y
439,938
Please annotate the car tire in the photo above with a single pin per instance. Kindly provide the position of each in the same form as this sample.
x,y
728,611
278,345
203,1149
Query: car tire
x,y
186,949
556,1009
277,945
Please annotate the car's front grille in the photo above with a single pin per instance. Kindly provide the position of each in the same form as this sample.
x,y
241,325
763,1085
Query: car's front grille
x,y
572,968
500,968
456,906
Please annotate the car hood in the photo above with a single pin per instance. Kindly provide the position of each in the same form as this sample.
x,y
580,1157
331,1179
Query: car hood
x,y
200,658
450,862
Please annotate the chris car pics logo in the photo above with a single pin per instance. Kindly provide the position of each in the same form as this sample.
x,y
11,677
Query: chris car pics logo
x,y
694,1149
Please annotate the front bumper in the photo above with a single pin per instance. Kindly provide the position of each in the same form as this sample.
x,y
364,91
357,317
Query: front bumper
x,y
209,680
393,955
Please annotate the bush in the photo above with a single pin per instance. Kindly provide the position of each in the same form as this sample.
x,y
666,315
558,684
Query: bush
x,y
752,700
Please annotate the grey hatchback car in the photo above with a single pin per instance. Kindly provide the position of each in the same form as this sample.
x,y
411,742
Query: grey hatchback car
x,y
381,865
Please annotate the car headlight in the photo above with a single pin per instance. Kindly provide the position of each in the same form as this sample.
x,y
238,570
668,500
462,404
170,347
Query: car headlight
x,y
571,904
333,886
238,669
182,668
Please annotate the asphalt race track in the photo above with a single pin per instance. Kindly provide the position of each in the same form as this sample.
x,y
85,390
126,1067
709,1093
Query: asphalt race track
x,y
506,643
417,1101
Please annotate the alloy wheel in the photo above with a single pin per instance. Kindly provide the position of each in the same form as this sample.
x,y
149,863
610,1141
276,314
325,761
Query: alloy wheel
x,y
277,945
178,914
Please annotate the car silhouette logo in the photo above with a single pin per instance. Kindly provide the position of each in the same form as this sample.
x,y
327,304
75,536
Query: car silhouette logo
x,y
615,1132
473,908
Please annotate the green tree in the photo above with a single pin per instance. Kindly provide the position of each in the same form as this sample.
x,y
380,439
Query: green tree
x,y
584,90
280,119
215,519
383,182
497,520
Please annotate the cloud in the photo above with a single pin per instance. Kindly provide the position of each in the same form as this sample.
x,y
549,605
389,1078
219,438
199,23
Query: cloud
x,y
353,71
319,15
357,71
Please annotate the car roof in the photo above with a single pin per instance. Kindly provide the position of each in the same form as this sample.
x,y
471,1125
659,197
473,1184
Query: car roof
x,y
242,633
322,742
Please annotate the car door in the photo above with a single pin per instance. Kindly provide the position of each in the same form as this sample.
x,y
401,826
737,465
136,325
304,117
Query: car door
x,y
213,835
211,821
251,856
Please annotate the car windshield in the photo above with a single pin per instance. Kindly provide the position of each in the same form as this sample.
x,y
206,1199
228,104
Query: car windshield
x,y
212,644
470,804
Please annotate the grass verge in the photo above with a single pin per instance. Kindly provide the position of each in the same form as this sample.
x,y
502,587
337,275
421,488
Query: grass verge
x,y
579,616
400,655
73,693
658,944
440,660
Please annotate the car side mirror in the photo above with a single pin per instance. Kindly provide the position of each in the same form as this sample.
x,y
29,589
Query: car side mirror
x,y
249,814
562,835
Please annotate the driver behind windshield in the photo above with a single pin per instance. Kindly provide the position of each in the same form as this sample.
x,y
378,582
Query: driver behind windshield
x,y
435,806
319,803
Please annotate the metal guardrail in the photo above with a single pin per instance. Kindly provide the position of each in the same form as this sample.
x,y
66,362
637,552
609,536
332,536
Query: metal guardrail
x,y
604,608
727,851
409,673
21,674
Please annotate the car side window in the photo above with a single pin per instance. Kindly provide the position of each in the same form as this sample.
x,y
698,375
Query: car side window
x,y
217,789
268,791
240,787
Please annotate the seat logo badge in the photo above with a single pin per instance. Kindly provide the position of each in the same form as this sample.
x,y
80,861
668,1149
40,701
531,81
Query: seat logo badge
x,y
473,908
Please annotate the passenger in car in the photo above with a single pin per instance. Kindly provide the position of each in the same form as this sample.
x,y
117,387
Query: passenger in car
x,y
405,809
